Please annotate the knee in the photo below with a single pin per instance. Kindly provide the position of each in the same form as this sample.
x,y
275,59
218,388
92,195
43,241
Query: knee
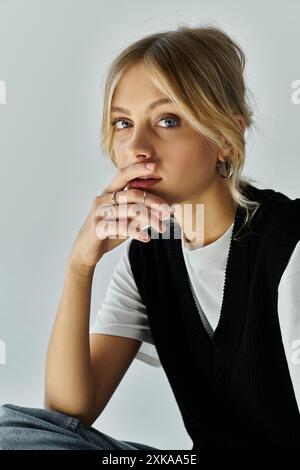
x,y
8,433
5,412
14,415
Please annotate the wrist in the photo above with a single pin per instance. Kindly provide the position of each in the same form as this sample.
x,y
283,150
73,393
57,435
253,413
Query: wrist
x,y
80,268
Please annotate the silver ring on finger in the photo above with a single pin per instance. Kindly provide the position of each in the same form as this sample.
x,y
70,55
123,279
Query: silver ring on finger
x,y
113,198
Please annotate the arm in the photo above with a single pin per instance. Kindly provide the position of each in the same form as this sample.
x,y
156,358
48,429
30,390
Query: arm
x,y
79,377
82,370
69,385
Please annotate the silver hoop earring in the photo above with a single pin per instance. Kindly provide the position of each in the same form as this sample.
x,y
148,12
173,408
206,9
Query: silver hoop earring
x,y
229,169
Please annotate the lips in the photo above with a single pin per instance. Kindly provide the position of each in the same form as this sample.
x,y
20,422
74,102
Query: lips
x,y
153,176
143,182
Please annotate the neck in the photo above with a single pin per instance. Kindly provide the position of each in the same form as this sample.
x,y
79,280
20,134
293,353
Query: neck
x,y
206,217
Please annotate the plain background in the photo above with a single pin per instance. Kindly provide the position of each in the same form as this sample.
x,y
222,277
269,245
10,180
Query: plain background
x,y
53,58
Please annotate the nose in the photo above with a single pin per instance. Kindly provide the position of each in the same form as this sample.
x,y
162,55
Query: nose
x,y
145,159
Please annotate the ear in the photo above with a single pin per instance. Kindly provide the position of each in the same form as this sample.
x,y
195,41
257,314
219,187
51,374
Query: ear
x,y
242,122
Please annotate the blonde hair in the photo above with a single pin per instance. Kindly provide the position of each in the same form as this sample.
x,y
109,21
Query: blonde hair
x,y
200,69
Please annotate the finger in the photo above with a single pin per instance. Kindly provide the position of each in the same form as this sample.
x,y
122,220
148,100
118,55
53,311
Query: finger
x,y
154,222
127,173
128,210
137,212
111,228
120,229
134,196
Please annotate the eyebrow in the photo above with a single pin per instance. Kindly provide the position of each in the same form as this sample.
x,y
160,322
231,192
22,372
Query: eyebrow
x,y
150,107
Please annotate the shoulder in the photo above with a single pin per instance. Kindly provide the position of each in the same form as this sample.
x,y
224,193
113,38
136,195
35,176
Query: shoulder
x,y
276,223
286,216
281,238
278,211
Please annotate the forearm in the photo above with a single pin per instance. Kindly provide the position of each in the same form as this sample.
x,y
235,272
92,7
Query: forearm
x,y
69,386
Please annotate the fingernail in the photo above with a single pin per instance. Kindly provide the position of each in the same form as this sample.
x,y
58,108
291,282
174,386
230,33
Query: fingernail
x,y
144,236
166,211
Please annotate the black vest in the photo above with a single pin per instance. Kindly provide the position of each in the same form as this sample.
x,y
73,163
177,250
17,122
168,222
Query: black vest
x,y
233,390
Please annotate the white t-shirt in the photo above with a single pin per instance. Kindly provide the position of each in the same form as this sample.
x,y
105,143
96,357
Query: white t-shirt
x,y
123,313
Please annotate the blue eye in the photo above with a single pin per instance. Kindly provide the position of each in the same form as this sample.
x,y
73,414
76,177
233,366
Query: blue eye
x,y
113,123
170,119
166,118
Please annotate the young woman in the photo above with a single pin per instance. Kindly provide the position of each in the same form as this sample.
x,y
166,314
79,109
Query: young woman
x,y
219,305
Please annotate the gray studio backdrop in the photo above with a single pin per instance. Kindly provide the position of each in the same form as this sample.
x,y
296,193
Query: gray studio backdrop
x,y
53,57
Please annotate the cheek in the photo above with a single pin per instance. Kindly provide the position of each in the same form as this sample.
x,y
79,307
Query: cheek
x,y
192,164
194,152
118,157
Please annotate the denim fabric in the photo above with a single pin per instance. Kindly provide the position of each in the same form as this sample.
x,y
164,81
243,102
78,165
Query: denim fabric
x,y
24,428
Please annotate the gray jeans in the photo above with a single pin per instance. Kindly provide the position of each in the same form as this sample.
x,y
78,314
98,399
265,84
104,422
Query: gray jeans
x,y
38,428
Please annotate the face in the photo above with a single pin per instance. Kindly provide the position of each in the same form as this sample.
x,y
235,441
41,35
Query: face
x,y
185,160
